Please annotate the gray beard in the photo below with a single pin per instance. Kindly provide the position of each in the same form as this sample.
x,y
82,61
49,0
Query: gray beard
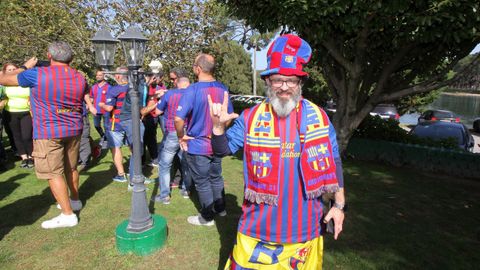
x,y
283,108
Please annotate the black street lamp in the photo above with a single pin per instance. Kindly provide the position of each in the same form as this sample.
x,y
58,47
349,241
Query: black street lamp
x,y
104,45
142,233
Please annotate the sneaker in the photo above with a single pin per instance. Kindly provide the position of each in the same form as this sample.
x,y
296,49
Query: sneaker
x,y
223,213
153,163
147,181
120,178
184,194
61,221
30,163
130,187
24,164
174,185
165,200
200,221
75,204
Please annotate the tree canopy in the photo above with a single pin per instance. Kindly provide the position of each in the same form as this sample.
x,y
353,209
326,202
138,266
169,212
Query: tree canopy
x,y
374,51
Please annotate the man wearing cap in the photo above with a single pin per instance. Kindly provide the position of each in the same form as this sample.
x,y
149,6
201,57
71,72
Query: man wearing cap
x,y
290,159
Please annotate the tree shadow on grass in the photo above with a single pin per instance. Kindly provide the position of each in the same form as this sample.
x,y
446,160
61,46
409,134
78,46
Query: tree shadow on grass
x,y
227,228
95,182
25,211
398,219
7,187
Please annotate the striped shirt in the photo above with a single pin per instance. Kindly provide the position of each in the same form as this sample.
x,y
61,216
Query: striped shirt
x,y
193,106
116,97
99,93
168,105
295,219
56,99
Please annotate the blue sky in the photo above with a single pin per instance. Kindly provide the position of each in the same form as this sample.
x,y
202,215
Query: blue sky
x,y
262,57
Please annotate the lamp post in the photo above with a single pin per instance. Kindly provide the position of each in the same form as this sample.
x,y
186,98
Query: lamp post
x,y
142,233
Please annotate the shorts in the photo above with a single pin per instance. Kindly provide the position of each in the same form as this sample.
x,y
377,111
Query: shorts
x,y
253,253
54,156
116,139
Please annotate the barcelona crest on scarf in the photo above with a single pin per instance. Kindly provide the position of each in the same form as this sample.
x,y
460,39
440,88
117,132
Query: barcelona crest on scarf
x,y
262,151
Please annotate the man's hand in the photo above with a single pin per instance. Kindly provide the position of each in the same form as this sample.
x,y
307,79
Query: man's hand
x,y
92,110
219,114
183,141
338,217
31,62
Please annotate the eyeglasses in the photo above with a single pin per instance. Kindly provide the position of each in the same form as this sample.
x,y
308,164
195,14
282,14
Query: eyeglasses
x,y
289,82
173,78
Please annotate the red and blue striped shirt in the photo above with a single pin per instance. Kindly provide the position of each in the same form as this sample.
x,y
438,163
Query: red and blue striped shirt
x,y
168,105
116,98
56,100
193,106
295,219
99,93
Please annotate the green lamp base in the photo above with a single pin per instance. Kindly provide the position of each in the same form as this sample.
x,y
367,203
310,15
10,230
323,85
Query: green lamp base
x,y
142,243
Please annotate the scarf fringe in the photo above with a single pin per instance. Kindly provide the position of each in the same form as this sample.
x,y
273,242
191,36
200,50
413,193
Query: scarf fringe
x,y
332,188
258,198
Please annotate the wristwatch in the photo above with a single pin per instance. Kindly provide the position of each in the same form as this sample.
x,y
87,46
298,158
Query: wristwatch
x,y
23,67
340,206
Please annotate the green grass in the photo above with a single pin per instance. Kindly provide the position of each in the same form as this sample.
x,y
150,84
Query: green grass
x,y
397,219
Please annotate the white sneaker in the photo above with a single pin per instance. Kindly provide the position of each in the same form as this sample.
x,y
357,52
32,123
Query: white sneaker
x,y
61,221
199,220
75,204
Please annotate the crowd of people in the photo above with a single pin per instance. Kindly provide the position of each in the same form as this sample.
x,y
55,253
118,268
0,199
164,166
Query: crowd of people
x,y
291,156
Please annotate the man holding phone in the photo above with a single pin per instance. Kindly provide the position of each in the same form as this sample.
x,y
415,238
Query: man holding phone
x,y
290,159
57,95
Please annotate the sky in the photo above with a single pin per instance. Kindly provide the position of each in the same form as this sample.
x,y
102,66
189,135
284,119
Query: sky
x,y
262,56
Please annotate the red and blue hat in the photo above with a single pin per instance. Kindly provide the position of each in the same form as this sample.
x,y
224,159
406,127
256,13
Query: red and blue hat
x,y
287,55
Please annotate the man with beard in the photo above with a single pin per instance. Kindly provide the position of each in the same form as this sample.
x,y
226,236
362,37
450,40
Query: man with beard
x,y
290,159
98,94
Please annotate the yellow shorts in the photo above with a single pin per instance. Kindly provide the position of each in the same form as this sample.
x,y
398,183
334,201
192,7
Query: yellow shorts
x,y
252,253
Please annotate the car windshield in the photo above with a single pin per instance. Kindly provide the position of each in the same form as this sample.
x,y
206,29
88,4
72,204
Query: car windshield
x,y
439,132
442,114
383,109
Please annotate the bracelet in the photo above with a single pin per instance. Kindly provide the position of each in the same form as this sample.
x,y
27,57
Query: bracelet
x,y
23,67
340,206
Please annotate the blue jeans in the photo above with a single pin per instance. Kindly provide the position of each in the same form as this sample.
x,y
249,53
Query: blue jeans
x,y
171,147
207,175
128,129
97,123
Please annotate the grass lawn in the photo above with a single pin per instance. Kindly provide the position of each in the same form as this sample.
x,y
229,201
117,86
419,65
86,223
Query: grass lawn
x,y
397,219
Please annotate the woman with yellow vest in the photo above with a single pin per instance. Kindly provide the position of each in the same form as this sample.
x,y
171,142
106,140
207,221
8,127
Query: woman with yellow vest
x,y
17,116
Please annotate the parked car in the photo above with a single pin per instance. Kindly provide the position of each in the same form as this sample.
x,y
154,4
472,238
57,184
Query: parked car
x,y
330,106
476,125
438,115
439,130
386,111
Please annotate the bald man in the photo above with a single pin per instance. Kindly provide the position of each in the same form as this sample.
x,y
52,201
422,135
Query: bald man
x,y
205,168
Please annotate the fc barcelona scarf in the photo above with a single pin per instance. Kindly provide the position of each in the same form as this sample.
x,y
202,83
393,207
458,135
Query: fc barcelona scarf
x,y
262,151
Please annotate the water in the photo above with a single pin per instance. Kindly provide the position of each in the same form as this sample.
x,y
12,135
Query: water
x,y
465,106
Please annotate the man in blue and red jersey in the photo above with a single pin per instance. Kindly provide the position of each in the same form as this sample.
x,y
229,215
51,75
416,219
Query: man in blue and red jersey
x,y
119,102
57,94
205,168
153,90
168,107
98,93
290,159
113,104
